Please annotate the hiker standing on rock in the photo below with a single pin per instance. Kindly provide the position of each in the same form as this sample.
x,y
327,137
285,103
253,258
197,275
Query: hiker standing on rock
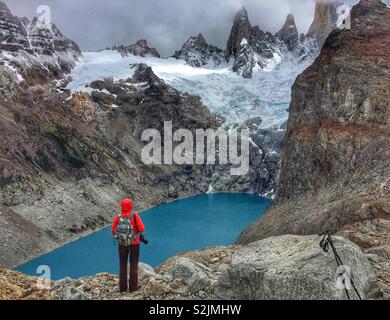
x,y
127,228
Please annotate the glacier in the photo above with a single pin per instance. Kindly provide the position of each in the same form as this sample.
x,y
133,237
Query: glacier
x,y
266,95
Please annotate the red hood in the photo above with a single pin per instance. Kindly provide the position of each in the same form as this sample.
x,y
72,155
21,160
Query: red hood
x,y
127,207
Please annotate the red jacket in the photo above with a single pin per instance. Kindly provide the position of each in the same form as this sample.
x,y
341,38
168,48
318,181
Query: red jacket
x,y
136,222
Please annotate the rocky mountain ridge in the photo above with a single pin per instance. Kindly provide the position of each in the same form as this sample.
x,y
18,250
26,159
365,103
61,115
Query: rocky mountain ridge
x,y
140,48
252,49
197,52
34,50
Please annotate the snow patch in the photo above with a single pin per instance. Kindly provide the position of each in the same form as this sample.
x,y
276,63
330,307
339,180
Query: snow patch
x,y
244,42
14,71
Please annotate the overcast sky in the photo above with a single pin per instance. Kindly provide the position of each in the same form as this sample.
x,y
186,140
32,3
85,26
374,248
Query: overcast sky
x,y
166,24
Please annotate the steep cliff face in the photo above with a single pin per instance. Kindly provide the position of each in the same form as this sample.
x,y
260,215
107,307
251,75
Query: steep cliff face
x,y
197,52
325,20
335,157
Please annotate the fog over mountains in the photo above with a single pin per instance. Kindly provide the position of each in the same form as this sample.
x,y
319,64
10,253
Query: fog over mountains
x,y
96,24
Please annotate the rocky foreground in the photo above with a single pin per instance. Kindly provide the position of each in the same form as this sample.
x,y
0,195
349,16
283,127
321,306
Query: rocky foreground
x,y
285,267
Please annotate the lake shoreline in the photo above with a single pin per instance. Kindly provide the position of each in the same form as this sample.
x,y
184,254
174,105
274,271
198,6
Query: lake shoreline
x,y
203,214
90,232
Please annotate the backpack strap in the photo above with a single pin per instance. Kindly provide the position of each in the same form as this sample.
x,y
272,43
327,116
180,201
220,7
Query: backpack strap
x,y
135,222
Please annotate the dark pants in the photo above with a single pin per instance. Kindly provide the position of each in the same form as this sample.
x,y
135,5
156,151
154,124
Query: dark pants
x,y
124,253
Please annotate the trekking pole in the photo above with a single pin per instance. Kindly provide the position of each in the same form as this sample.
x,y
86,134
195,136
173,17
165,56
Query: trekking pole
x,y
324,244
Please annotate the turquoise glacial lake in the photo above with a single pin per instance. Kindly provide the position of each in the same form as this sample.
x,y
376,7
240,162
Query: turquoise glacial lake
x,y
183,225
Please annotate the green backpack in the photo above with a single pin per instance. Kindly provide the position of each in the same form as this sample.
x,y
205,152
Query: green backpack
x,y
124,232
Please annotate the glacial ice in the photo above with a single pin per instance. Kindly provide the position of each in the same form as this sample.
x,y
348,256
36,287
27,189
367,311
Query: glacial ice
x,y
267,95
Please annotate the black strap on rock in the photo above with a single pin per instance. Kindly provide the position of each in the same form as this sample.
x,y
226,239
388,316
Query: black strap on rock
x,y
324,244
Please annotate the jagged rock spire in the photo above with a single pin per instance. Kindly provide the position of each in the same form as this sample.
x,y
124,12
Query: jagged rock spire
x,y
243,13
241,29
250,47
289,33
325,21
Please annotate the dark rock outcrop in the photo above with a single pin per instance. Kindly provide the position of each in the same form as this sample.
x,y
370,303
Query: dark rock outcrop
x,y
325,21
140,48
335,157
289,33
250,47
197,52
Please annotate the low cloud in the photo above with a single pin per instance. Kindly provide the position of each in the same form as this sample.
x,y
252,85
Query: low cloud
x,y
166,24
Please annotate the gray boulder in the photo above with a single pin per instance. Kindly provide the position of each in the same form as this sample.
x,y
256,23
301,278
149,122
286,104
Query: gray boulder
x,y
146,271
199,281
70,293
293,267
185,268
